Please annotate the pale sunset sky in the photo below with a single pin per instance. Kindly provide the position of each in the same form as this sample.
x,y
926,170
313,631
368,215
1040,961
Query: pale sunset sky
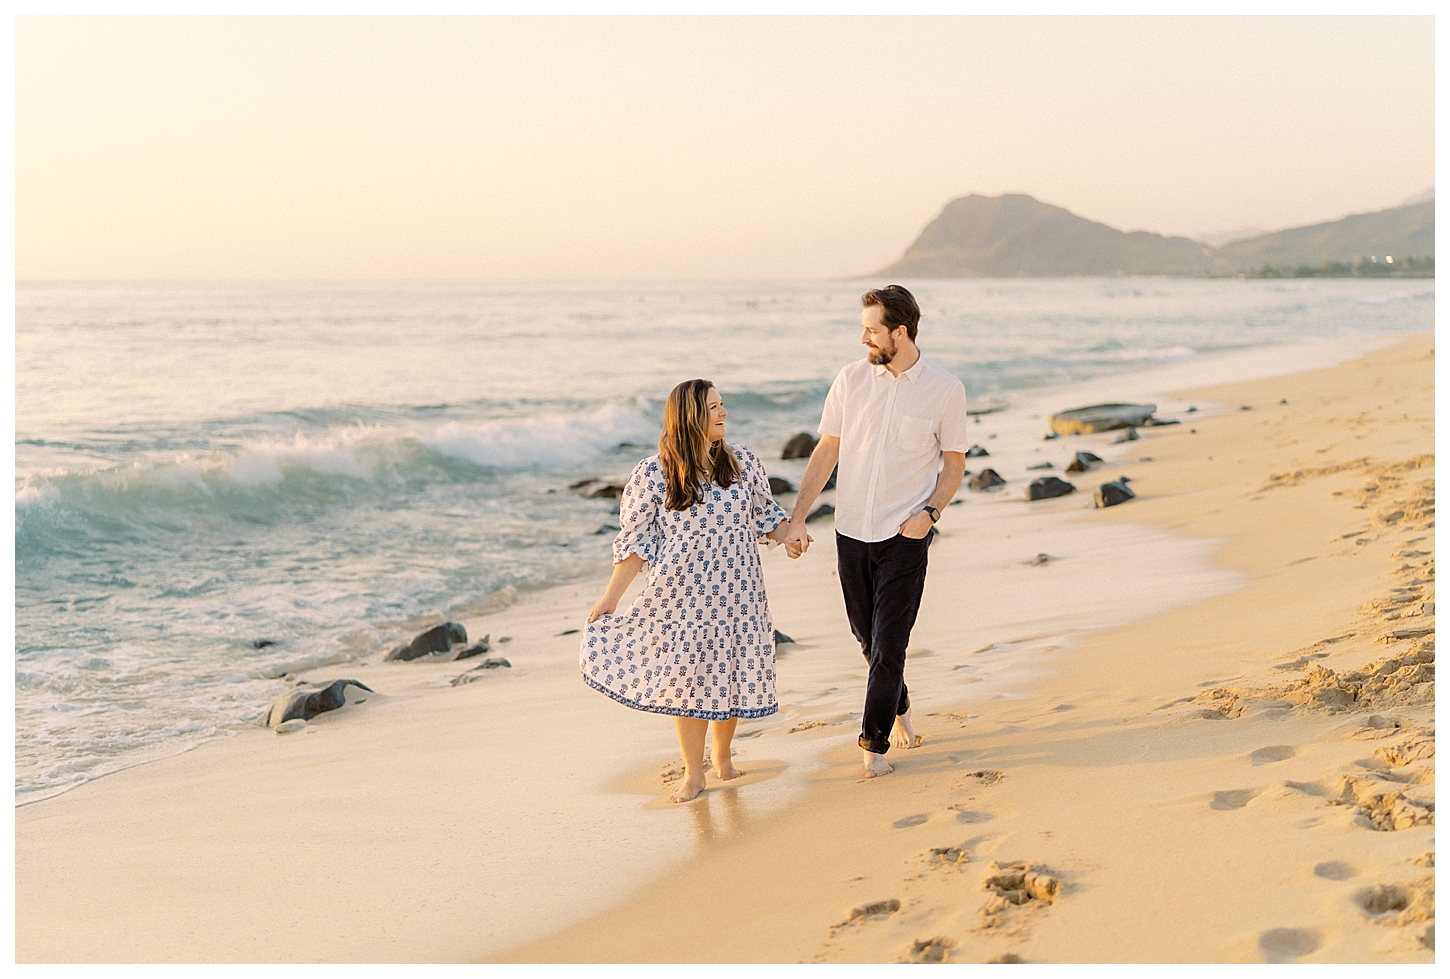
x,y
680,147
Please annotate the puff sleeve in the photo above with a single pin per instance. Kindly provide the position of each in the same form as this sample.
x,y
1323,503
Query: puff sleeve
x,y
639,513
765,513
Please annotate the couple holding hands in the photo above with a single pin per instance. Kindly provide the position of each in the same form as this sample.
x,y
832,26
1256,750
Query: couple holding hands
x,y
699,643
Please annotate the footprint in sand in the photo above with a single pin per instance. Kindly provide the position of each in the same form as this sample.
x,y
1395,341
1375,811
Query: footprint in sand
x,y
806,726
1287,944
947,856
875,910
1335,870
1015,886
974,816
1232,799
1273,753
906,821
938,949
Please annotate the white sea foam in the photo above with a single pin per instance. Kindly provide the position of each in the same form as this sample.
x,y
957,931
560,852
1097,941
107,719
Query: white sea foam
x,y
561,440
353,451
31,496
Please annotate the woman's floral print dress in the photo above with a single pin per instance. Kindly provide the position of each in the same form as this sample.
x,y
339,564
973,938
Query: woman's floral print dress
x,y
699,640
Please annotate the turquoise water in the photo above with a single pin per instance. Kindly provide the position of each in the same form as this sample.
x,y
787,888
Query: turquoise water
x,y
203,467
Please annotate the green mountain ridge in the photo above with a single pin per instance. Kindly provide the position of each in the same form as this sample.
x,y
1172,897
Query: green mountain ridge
x,y
1015,235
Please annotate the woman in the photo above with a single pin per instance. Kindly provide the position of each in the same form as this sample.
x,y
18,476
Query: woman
x,y
699,642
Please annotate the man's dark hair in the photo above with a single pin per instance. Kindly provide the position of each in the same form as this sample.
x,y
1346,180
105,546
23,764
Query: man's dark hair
x,y
898,307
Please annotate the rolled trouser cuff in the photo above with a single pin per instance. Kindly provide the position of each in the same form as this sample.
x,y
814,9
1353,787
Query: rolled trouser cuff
x,y
878,747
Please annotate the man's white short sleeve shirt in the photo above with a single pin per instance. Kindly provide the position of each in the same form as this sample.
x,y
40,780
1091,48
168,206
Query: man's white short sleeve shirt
x,y
893,430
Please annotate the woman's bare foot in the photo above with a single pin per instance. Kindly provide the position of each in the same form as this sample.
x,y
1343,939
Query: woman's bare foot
x,y
876,764
902,733
689,788
725,770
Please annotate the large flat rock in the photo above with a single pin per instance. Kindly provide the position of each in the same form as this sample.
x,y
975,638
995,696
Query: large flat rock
x,y
1100,418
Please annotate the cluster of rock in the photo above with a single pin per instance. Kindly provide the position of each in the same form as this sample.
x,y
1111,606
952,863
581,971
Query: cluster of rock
x,y
446,643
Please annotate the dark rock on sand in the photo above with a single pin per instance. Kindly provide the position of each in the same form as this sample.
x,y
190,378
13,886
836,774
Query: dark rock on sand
x,y
986,479
597,489
477,649
1041,465
824,510
778,485
1192,409
1131,435
435,640
1100,418
607,528
569,632
263,643
1111,494
1046,487
1040,559
1082,462
305,705
976,452
1049,436
478,671
799,446
781,637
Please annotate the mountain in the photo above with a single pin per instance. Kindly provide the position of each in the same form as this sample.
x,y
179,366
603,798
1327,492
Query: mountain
x,y
1017,235
1406,231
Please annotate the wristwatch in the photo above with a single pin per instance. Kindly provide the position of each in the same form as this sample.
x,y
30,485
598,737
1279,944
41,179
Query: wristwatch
x,y
935,513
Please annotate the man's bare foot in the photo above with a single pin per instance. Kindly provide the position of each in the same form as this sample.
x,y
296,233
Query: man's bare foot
x,y
689,788
902,733
876,764
725,770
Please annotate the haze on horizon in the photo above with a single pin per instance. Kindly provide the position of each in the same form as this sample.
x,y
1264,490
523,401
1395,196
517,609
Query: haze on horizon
x,y
680,147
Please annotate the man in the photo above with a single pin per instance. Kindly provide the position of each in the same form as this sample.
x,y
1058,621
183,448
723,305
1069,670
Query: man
x,y
888,420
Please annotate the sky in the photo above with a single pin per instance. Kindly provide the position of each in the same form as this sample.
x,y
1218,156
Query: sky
x,y
680,147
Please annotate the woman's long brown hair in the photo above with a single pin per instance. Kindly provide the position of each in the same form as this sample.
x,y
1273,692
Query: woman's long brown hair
x,y
687,455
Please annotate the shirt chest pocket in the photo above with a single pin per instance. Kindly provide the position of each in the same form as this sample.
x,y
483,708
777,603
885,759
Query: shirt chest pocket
x,y
915,434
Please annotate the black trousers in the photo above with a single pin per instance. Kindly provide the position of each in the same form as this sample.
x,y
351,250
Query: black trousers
x,y
882,584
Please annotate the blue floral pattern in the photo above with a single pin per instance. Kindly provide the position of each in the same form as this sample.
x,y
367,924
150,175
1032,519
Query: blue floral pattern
x,y
699,640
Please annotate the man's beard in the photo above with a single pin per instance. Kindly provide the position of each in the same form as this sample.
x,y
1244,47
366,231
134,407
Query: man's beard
x,y
880,356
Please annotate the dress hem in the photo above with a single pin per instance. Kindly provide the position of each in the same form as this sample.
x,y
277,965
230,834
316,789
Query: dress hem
x,y
705,715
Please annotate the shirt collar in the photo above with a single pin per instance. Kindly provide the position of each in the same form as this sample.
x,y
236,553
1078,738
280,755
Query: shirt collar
x,y
911,373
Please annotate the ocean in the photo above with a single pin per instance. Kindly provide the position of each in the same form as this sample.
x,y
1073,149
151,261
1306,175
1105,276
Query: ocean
x,y
221,483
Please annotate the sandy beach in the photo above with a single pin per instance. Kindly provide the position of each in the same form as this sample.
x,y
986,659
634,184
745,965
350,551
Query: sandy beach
x,y
1202,730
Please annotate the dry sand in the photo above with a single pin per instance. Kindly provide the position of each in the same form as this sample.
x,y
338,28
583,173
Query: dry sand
x,y
1202,732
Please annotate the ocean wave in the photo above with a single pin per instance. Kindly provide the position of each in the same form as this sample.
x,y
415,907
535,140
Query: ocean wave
x,y
552,442
265,480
